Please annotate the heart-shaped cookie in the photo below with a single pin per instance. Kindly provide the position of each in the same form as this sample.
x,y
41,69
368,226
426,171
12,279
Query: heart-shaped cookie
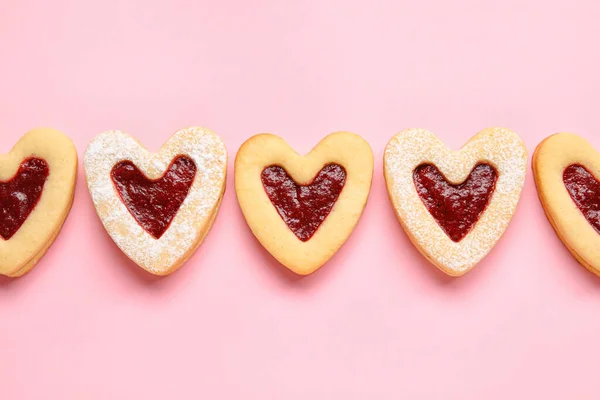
x,y
303,208
37,182
455,206
157,207
567,172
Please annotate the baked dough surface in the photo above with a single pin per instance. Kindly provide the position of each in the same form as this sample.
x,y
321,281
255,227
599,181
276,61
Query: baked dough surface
x,y
196,214
21,252
550,159
343,148
499,147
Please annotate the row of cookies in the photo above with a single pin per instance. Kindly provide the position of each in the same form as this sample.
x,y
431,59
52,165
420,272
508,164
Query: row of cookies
x,y
158,208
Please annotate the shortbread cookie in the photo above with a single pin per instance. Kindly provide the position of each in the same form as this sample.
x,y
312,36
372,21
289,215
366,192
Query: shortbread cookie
x,y
454,206
303,208
566,170
37,182
157,207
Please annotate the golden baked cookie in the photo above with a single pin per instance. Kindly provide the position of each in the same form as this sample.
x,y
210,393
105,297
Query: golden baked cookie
x,y
303,208
566,170
454,206
157,207
37,182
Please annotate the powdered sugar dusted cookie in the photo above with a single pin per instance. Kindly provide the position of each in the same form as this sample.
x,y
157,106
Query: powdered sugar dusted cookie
x,y
37,181
566,170
303,208
454,206
157,207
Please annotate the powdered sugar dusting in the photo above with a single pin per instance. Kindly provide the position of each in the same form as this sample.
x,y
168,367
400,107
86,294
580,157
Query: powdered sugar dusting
x,y
499,147
157,255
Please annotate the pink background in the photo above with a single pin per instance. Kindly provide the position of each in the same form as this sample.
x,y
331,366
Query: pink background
x,y
377,321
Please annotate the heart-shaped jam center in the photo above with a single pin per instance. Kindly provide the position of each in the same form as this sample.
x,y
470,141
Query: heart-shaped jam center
x,y
154,203
585,192
456,208
20,195
304,207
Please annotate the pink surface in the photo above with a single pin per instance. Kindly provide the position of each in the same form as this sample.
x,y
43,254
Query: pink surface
x,y
376,322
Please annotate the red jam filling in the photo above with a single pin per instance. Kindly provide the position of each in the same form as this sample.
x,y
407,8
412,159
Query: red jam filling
x,y
20,195
154,203
456,208
304,207
585,192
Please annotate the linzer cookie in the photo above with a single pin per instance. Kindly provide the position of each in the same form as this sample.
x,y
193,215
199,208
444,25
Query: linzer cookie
x,y
37,181
566,170
454,206
157,207
303,208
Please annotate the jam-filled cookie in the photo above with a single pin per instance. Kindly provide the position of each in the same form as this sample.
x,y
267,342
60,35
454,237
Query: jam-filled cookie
x,y
37,182
454,206
157,207
303,208
567,172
